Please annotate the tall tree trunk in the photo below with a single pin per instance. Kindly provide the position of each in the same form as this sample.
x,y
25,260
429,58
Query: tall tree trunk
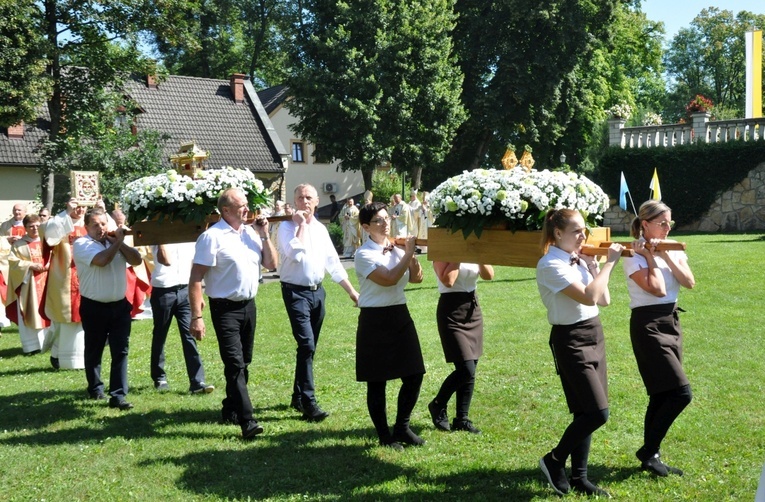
x,y
416,177
47,180
481,148
367,173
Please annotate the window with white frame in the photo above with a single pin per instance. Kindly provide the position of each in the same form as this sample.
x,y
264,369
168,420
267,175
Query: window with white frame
x,y
297,151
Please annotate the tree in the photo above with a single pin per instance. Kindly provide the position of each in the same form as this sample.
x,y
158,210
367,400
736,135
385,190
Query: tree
x,y
373,81
708,58
72,35
23,82
516,55
214,39
625,68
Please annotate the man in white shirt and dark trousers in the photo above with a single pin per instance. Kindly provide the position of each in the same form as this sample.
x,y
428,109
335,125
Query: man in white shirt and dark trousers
x,y
306,252
228,257
101,259
170,298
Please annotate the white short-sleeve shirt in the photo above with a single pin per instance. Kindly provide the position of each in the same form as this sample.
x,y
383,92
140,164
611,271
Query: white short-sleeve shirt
x,y
368,257
554,274
640,297
234,260
102,284
466,280
177,273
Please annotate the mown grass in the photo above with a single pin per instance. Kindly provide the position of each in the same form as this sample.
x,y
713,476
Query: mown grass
x,y
57,445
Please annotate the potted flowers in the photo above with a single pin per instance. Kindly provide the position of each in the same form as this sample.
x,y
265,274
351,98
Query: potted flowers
x,y
620,111
165,202
470,206
699,104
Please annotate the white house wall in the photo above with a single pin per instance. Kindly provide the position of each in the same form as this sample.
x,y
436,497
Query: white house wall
x,y
349,183
17,184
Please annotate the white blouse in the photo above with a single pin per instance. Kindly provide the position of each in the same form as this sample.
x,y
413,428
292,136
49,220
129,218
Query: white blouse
x,y
554,274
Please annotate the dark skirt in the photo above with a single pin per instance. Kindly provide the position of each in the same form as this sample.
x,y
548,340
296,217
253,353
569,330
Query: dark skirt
x,y
657,341
580,358
387,346
460,326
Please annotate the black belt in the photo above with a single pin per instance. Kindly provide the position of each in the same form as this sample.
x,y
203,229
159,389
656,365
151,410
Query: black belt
x,y
229,303
173,288
298,287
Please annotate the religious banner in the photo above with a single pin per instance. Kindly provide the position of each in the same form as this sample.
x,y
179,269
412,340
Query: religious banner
x,y
85,187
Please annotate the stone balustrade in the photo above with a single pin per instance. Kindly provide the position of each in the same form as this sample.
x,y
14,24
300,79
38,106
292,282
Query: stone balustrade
x,y
718,131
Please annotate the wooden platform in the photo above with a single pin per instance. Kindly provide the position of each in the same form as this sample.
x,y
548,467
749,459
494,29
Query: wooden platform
x,y
495,247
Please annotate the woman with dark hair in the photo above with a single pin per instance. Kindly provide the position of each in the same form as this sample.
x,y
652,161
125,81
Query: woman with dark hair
x,y
460,327
654,279
572,286
387,346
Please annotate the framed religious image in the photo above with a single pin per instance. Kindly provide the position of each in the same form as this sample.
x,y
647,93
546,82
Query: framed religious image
x,y
85,187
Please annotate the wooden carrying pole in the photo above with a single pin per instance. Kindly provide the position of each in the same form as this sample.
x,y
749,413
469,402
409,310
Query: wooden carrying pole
x,y
593,251
662,246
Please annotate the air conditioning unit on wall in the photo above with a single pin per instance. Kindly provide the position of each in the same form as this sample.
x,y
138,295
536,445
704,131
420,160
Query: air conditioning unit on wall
x,y
330,187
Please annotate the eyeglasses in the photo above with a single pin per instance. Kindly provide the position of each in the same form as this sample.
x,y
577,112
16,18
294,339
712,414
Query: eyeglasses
x,y
664,224
380,221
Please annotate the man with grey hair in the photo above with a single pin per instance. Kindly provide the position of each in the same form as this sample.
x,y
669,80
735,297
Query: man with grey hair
x,y
306,253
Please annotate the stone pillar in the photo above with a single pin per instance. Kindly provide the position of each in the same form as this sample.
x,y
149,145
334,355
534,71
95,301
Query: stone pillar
x,y
615,126
699,123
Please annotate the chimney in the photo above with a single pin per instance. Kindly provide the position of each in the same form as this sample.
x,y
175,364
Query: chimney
x,y
237,87
16,131
151,82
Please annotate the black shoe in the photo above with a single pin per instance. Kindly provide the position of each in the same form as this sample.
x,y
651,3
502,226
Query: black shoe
x,y
31,353
120,403
314,413
229,417
654,465
439,416
464,425
296,405
555,472
583,485
251,429
98,396
407,437
54,362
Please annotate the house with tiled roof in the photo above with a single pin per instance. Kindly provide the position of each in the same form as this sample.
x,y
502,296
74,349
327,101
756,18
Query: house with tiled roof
x,y
223,117
19,179
304,166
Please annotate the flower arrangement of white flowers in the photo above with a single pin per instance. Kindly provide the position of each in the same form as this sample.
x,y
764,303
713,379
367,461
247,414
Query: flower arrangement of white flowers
x,y
481,198
652,119
620,111
170,195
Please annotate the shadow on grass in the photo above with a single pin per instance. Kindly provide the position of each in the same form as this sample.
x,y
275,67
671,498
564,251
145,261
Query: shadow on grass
x,y
13,352
308,464
301,465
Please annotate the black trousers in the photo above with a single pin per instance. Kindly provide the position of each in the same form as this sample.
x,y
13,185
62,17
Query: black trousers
x,y
305,309
166,304
102,321
234,324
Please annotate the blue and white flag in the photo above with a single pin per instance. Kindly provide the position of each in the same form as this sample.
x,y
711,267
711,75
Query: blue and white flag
x,y
623,193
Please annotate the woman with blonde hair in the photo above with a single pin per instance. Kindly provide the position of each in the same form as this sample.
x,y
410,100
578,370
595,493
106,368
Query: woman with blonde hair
x,y
654,279
572,286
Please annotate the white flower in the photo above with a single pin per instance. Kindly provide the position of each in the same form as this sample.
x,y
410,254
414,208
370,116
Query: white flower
x,y
515,195
171,193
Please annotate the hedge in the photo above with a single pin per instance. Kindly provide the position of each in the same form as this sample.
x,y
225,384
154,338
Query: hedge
x,y
690,176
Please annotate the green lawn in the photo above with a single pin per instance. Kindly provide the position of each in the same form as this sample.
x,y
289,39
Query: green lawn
x,y
57,445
